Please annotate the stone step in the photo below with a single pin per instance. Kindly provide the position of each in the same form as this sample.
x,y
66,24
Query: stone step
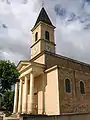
x,y
10,118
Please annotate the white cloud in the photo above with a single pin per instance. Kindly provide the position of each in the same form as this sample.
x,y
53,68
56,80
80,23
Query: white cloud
x,y
71,37
16,38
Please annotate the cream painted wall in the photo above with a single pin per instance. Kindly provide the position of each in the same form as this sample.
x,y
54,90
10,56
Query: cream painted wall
x,y
42,44
45,27
38,96
41,59
40,102
39,89
45,43
38,29
36,49
52,93
37,46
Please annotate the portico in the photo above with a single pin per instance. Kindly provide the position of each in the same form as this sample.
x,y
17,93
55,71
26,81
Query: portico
x,y
26,87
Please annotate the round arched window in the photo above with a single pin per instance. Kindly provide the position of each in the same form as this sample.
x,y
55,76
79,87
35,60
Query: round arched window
x,y
67,85
47,35
82,90
36,36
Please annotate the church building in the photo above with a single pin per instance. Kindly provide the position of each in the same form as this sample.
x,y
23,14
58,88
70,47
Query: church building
x,y
50,84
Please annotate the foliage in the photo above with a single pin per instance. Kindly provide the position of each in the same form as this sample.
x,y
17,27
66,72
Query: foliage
x,y
8,75
7,100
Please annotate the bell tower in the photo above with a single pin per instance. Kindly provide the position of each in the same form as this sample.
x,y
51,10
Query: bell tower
x,y
42,35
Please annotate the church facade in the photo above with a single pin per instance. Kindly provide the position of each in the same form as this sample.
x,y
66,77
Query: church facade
x,y
50,84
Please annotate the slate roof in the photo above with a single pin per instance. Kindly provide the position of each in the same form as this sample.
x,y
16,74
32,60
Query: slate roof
x,y
43,17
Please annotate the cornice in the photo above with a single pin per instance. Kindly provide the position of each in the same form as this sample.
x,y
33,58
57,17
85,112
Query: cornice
x,y
44,41
42,23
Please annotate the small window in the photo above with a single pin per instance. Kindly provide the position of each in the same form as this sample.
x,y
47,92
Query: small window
x,y
36,36
82,90
67,85
47,35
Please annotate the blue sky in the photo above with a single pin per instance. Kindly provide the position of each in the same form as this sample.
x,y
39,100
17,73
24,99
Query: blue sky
x,y
71,18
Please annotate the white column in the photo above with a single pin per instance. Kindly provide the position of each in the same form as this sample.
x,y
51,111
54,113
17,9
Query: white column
x,y
16,98
25,95
31,91
20,97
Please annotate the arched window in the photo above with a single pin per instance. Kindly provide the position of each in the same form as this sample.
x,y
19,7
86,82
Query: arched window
x,y
36,36
47,35
82,90
67,85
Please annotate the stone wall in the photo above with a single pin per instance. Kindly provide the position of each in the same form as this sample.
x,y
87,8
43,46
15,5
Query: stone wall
x,y
74,101
54,59
75,71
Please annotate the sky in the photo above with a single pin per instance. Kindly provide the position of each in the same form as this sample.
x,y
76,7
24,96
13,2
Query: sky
x,y
72,33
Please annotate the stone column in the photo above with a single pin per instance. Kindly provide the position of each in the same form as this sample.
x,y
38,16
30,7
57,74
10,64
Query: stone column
x,y
20,97
31,91
16,98
25,95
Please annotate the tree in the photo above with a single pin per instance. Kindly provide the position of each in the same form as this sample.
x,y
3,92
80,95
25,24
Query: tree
x,y
8,76
0,99
7,100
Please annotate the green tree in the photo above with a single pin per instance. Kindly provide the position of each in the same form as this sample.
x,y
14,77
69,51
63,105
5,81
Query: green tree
x,y
7,100
8,76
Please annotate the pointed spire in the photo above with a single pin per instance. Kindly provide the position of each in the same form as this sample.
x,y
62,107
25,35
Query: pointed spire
x,y
43,17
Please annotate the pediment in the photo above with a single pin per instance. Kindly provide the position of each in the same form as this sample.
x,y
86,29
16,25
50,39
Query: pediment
x,y
22,65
